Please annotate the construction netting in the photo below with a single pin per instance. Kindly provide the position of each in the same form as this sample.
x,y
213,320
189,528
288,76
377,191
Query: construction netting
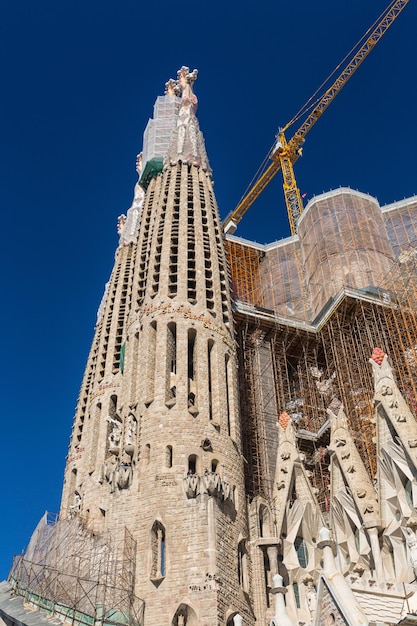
x,y
344,243
158,132
345,240
401,224
78,576
305,365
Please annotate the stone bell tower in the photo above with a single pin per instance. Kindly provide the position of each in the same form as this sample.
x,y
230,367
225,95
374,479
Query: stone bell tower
x,y
155,447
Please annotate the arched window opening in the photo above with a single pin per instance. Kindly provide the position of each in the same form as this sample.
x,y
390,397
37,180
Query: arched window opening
x,y
172,347
266,582
171,363
235,497
192,464
158,548
185,616
296,595
72,483
226,372
147,454
214,464
150,365
209,380
242,565
112,406
192,387
264,521
168,456
301,549
94,436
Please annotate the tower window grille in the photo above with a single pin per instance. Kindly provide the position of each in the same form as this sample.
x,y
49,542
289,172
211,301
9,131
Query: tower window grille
x,y
122,312
208,270
145,249
173,254
191,254
160,234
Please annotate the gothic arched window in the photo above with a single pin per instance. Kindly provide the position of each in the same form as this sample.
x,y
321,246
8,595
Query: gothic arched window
x,y
242,565
158,551
301,549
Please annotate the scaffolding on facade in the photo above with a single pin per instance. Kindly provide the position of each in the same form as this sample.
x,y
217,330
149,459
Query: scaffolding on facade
x,y
323,364
69,572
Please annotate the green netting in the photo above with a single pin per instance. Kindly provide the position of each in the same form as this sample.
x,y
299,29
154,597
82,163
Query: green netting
x,y
122,357
152,168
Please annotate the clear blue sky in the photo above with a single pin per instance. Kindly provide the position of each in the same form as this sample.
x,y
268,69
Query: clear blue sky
x,y
78,80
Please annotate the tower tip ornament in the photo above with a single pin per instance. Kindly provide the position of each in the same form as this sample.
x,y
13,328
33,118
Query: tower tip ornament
x,y
187,142
283,420
378,356
183,86
185,82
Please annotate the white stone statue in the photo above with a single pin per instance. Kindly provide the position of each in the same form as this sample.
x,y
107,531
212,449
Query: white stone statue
x,y
115,434
412,548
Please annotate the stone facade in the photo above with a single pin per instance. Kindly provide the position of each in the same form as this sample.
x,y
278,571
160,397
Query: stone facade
x,y
214,476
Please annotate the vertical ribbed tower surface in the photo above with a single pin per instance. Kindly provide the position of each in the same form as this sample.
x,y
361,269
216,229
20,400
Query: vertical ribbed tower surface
x,y
156,442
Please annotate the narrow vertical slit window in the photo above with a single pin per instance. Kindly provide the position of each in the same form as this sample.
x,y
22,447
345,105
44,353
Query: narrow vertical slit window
x,y
226,373
242,566
210,377
168,456
191,365
171,364
192,464
95,428
158,547
150,365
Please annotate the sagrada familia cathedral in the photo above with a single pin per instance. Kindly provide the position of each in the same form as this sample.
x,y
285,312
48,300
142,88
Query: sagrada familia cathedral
x,y
244,448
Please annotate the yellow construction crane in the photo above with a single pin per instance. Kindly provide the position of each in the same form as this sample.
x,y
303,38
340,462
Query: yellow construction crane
x,y
285,153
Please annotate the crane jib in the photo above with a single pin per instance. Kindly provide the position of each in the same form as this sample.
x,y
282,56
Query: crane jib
x,y
289,151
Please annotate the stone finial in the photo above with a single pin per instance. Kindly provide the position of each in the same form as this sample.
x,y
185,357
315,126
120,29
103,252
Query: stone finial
x,y
121,220
185,82
183,86
171,87
378,356
281,616
283,420
139,164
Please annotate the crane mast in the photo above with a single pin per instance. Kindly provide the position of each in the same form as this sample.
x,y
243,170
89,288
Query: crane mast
x,y
285,154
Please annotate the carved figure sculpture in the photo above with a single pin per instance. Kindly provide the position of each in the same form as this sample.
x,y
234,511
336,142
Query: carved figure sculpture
x,y
115,435
412,548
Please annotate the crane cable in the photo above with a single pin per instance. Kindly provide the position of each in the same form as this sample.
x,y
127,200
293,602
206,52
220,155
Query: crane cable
x,y
309,105
261,169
